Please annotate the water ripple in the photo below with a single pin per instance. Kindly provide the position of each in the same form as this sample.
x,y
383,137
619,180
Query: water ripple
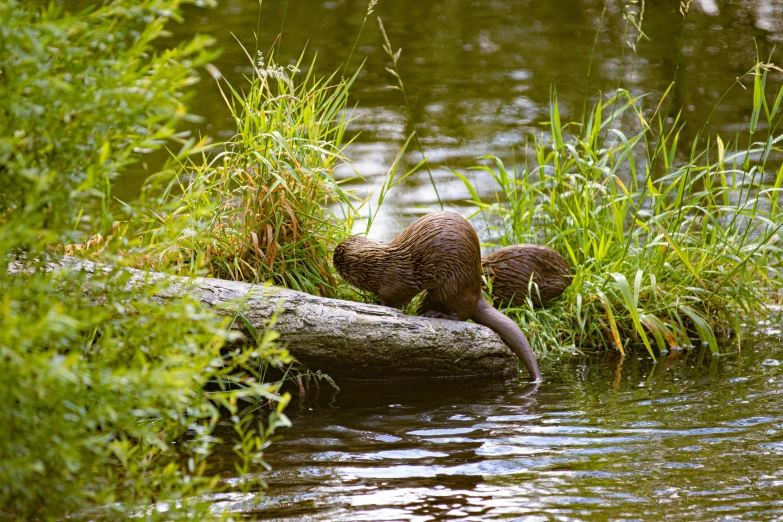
x,y
692,448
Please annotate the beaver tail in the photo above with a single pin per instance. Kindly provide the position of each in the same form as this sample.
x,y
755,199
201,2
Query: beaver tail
x,y
509,331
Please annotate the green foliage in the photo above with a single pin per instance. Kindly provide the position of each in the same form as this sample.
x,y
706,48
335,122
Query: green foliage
x,y
663,248
264,207
82,94
98,398
106,407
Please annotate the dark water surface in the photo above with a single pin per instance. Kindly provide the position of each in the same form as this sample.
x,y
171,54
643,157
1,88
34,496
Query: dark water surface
x,y
478,73
691,438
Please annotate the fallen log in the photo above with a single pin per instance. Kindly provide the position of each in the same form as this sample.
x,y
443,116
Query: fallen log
x,y
344,339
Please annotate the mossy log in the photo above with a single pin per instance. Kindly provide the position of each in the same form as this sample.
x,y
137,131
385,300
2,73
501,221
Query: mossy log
x,y
341,338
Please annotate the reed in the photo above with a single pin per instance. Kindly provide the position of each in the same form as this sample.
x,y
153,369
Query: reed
x,y
668,243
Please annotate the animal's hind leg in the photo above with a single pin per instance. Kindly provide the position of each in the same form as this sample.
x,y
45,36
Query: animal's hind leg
x,y
441,315
432,307
461,304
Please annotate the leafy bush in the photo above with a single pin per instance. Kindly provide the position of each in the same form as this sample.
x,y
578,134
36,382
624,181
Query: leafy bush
x,y
663,248
104,405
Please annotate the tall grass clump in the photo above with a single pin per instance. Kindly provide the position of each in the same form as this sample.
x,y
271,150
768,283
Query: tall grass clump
x,y
109,397
265,204
668,241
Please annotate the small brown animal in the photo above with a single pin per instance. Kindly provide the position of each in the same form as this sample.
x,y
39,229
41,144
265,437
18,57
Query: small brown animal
x,y
511,268
438,253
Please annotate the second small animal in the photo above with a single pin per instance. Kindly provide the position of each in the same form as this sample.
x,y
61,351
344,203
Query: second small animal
x,y
511,269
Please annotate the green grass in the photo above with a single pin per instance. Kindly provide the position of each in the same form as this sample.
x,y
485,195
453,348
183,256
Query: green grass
x,y
263,205
669,242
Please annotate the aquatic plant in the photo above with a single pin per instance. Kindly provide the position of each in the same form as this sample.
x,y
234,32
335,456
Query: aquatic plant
x,y
265,204
106,412
370,9
667,244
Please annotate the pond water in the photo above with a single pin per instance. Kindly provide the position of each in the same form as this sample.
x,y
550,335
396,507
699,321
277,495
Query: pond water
x,y
478,73
691,438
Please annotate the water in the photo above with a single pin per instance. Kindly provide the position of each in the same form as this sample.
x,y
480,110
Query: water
x,y
692,438
478,74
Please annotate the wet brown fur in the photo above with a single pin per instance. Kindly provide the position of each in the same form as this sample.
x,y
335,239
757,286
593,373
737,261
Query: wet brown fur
x,y
511,268
438,253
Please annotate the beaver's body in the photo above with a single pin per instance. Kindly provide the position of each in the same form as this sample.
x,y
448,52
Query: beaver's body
x,y
511,268
438,253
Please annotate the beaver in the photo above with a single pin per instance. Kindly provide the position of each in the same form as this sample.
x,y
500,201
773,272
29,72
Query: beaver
x,y
438,253
511,268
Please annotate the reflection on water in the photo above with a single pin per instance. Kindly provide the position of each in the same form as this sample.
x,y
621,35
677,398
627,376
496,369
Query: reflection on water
x,y
478,74
602,438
